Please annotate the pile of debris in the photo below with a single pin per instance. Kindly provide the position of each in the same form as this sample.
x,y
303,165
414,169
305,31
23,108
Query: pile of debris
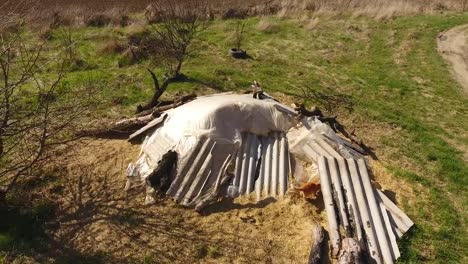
x,y
228,145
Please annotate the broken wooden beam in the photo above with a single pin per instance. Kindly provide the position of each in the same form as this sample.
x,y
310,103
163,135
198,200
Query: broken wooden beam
x,y
316,251
159,109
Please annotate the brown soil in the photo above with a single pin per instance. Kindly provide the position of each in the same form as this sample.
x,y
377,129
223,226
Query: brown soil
x,y
97,218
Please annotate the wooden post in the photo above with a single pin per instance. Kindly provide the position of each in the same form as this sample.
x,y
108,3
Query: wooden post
x,y
350,253
316,251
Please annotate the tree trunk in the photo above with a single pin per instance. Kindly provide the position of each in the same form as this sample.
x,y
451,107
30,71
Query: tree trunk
x,y
124,128
118,130
158,91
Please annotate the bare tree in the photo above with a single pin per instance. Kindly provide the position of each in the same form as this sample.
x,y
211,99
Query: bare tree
x,y
181,23
36,113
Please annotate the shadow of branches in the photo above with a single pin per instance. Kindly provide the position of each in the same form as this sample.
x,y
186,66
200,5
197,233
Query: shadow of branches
x,y
96,216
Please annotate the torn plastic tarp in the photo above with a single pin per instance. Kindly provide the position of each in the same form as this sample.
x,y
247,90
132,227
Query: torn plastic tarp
x,y
219,120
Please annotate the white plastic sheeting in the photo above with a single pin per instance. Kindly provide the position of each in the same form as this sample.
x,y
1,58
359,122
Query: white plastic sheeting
x,y
222,118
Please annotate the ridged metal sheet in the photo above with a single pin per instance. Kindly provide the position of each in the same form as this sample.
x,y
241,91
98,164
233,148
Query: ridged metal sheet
x,y
352,202
200,171
262,165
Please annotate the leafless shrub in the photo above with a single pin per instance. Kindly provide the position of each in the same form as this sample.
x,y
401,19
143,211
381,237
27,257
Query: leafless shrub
x,y
267,26
331,101
152,14
113,46
239,34
141,45
98,20
118,16
182,23
70,54
439,6
59,20
231,13
36,113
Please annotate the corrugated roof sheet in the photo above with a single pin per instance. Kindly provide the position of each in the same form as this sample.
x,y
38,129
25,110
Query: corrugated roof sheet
x,y
262,165
352,202
201,172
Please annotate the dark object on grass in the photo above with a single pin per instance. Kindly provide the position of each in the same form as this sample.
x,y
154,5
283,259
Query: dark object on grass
x,y
238,53
160,179
99,20
301,110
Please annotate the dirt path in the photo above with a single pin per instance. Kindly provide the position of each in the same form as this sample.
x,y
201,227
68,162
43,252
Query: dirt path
x,y
453,46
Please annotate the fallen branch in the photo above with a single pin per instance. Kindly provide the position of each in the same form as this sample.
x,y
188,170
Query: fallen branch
x,y
159,109
138,120
118,130
124,128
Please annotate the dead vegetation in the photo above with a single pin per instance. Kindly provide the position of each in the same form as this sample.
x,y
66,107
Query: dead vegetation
x,y
267,26
56,13
32,120
93,212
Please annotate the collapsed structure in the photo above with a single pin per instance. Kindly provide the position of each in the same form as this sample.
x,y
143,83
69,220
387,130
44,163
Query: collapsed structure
x,y
227,145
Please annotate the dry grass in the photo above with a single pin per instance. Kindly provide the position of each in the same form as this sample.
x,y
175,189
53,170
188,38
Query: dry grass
x,y
375,8
101,13
94,212
268,26
112,46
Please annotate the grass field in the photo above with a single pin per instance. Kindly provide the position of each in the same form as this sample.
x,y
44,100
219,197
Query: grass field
x,y
405,103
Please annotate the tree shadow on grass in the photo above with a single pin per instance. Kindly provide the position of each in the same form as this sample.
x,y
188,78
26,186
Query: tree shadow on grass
x,y
228,204
198,81
408,255
97,215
